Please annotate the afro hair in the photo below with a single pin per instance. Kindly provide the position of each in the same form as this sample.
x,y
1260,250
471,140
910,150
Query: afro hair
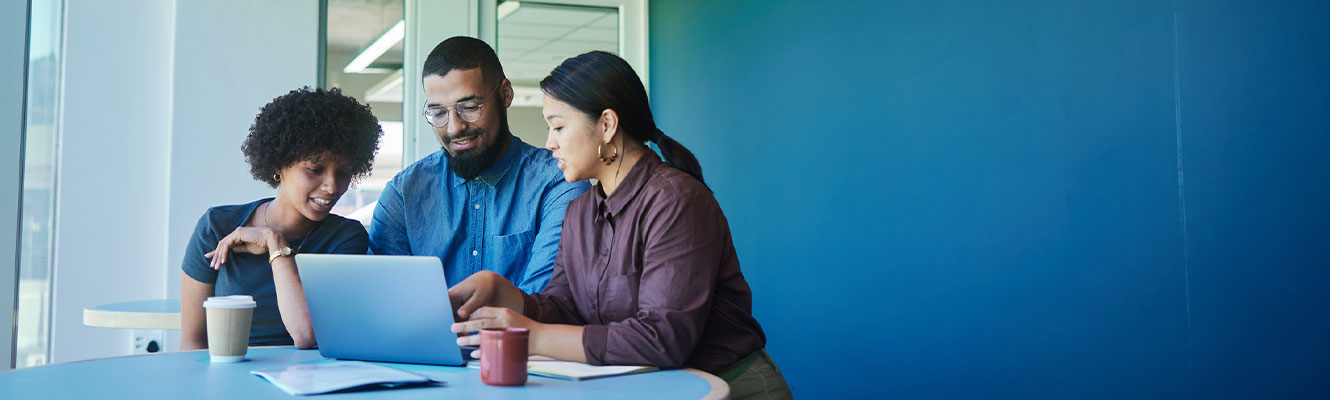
x,y
306,123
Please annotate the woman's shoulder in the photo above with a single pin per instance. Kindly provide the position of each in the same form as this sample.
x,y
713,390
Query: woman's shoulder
x,y
338,234
584,201
672,184
229,216
339,226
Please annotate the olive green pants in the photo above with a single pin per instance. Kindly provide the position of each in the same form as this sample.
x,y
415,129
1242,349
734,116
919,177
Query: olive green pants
x,y
756,377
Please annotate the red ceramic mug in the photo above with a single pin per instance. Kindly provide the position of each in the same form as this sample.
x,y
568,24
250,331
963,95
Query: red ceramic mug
x,y
503,354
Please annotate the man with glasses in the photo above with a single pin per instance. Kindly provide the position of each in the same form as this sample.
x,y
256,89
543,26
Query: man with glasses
x,y
486,200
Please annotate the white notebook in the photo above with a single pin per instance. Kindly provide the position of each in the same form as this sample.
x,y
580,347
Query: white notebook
x,y
575,371
318,378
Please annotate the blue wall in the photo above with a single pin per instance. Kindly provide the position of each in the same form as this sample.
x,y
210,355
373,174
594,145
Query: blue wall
x,y
1097,199
1255,106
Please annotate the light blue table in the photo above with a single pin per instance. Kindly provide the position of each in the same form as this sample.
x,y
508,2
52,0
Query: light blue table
x,y
189,375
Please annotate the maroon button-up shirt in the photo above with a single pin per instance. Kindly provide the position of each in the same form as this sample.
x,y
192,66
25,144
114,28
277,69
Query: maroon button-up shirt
x,y
652,275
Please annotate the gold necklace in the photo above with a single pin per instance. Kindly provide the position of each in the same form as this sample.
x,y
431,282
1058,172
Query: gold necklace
x,y
267,209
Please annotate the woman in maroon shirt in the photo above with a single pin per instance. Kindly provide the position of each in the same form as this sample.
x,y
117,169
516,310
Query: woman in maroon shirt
x,y
646,272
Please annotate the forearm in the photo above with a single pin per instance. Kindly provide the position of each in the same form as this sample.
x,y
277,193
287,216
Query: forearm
x,y
560,342
291,302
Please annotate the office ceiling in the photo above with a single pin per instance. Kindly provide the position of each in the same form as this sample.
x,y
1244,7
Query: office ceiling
x,y
533,38
354,24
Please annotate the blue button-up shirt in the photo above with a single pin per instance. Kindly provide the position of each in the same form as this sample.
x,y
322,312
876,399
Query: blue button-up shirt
x,y
506,220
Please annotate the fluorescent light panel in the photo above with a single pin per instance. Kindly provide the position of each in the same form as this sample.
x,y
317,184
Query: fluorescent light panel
x,y
508,8
387,90
360,64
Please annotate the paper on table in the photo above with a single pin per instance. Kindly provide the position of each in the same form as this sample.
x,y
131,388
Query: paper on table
x,y
579,371
305,379
574,371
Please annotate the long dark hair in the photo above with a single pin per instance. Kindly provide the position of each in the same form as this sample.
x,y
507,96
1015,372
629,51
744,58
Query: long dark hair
x,y
596,81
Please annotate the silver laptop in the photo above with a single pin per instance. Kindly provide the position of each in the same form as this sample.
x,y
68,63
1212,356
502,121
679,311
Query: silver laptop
x,y
380,308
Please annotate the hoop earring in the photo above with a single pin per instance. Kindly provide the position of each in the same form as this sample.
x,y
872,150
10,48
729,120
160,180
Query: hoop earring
x,y
277,177
607,160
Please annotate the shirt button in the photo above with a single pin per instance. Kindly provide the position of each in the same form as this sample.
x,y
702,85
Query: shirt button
x,y
474,252
477,206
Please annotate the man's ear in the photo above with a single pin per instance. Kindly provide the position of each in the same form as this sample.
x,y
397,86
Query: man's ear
x,y
507,91
608,125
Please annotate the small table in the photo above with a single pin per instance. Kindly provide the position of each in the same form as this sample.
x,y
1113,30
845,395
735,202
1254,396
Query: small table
x,y
188,374
145,314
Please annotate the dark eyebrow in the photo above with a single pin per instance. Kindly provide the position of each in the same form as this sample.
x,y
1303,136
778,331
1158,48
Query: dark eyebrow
x,y
461,100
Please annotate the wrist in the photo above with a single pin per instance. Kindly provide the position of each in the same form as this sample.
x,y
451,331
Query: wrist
x,y
536,338
276,240
511,296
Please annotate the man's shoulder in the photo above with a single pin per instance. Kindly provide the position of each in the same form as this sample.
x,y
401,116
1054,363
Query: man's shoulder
x,y
536,166
431,167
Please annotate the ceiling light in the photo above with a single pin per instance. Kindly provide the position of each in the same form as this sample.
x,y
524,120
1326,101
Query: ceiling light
x,y
388,90
360,64
508,8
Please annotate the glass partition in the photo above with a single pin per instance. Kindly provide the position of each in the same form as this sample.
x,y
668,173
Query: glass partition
x,y
363,57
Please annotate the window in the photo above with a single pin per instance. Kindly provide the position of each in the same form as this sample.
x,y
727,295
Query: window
x,y
37,219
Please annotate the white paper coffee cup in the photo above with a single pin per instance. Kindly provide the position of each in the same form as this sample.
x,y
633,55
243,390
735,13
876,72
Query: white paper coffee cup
x,y
229,318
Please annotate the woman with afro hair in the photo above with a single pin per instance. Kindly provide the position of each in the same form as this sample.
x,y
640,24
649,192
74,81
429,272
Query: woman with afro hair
x,y
308,144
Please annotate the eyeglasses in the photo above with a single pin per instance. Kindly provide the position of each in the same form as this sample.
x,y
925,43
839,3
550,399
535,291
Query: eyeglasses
x,y
468,111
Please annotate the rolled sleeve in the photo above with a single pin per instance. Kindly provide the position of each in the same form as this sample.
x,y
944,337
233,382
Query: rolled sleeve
x,y
554,304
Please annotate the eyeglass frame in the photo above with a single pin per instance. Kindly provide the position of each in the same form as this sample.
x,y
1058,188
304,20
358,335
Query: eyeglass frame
x,y
479,105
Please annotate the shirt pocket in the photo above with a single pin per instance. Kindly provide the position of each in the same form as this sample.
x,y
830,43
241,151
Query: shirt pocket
x,y
512,253
620,300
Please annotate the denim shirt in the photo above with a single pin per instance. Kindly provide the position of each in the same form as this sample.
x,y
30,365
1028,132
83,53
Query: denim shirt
x,y
507,220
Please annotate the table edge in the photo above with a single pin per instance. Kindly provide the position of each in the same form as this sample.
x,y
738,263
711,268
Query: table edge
x,y
719,389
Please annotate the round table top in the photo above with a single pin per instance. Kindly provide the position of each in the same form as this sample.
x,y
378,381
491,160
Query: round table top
x,y
144,314
190,375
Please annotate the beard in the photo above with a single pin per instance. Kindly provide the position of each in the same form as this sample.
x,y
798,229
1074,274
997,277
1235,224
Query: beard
x,y
469,163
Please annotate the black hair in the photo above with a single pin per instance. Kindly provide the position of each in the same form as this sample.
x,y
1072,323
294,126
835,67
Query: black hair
x,y
461,53
304,124
596,81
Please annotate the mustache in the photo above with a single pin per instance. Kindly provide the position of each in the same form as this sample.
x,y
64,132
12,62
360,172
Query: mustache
x,y
446,140
450,139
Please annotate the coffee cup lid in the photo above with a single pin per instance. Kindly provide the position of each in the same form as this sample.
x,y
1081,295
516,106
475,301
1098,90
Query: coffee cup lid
x,y
235,301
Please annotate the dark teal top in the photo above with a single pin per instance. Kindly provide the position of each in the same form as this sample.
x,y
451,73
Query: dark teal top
x,y
251,274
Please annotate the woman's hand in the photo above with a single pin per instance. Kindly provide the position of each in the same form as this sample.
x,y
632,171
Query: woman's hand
x,y
252,240
485,288
492,317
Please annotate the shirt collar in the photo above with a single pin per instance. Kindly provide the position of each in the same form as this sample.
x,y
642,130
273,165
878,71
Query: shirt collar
x,y
631,185
492,175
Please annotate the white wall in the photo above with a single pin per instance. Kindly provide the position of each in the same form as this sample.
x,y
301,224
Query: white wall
x,y
112,183
13,63
158,97
231,58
